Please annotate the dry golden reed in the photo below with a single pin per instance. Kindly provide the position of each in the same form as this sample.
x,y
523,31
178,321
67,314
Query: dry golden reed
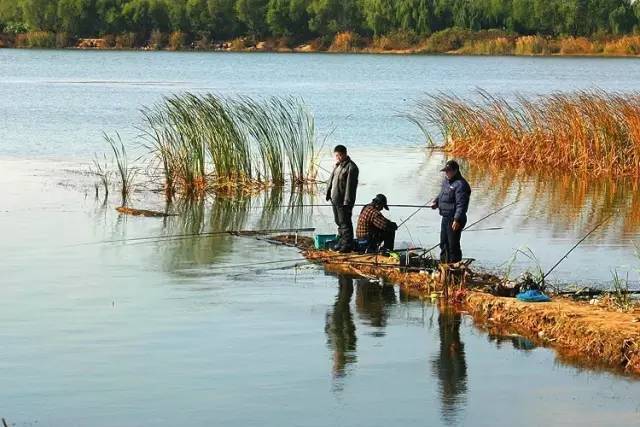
x,y
591,131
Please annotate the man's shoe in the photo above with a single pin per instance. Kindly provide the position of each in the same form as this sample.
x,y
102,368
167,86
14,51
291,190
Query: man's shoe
x,y
345,250
336,247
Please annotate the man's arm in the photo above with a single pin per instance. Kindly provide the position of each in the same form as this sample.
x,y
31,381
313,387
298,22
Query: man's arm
x,y
463,193
330,184
351,185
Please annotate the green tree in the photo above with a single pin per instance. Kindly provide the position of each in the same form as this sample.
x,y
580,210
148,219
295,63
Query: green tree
x,y
380,15
288,18
40,14
76,16
415,15
253,14
328,17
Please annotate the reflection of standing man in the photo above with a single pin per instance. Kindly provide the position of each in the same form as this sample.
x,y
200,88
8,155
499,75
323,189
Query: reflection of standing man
x,y
450,366
453,202
340,329
341,191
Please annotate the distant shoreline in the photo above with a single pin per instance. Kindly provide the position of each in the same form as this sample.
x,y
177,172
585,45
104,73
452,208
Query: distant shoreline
x,y
444,43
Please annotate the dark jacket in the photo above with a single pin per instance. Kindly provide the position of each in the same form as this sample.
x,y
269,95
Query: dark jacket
x,y
343,183
453,200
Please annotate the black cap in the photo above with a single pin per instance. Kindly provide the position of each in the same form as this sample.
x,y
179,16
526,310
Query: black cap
x,y
451,165
381,199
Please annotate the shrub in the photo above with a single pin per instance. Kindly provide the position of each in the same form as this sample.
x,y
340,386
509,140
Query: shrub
x,y
628,45
109,40
36,39
447,40
125,41
576,46
346,41
532,45
203,42
497,46
157,40
396,40
63,40
239,44
177,40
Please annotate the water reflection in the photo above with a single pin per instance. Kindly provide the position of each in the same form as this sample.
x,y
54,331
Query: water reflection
x,y
341,330
450,366
561,202
273,209
374,303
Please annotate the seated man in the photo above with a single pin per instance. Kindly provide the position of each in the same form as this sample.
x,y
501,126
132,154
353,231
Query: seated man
x,y
374,227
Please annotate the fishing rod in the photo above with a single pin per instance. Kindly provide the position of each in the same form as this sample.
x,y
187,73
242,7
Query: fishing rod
x,y
480,220
340,257
189,235
329,206
414,213
574,247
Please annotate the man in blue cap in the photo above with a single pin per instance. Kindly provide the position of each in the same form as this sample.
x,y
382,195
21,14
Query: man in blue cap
x,y
453,202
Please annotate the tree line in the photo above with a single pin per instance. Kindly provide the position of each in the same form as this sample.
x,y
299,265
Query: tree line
x,y
306,19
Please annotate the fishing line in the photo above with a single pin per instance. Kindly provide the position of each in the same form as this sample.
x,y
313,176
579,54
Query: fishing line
x,y
480,220
574,247
189,235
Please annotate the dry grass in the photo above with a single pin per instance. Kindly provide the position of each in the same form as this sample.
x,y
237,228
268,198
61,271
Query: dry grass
x,y
497,46
346,42
578,331
535,45
177,40
587,131
625,46
576,46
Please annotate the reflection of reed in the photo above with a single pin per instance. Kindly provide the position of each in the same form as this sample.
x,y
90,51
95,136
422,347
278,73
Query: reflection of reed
x,y
196,216
450,365
562,201
275,214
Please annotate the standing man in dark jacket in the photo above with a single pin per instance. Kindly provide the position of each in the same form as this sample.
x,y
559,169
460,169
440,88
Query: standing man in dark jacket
x,y
453,202
341,192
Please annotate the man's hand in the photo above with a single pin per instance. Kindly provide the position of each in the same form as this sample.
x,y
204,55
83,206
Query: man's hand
x,y
456,226
433,205
393,226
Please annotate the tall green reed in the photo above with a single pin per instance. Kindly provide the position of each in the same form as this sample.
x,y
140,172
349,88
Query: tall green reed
x,y
208,140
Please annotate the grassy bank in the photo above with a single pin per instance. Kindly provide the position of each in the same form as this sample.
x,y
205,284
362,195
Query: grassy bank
x,y
591,132
450,41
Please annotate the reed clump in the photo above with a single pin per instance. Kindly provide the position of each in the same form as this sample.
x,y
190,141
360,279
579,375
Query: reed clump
x,y
212,143
346,41
36,40
535,45
591,132
577,46
625,46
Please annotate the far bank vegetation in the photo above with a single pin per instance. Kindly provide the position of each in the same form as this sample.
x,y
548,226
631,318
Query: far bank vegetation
x,y
496,27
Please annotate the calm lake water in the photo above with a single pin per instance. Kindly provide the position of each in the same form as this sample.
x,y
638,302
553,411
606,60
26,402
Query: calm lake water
x,y
149,332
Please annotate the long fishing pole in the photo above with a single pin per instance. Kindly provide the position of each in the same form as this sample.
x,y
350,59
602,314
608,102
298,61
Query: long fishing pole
x,y
414,213
574,247
480,220
343,257
329,206
189,235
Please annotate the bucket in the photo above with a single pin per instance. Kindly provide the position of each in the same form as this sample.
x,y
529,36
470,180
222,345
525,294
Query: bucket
x,y
321,241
